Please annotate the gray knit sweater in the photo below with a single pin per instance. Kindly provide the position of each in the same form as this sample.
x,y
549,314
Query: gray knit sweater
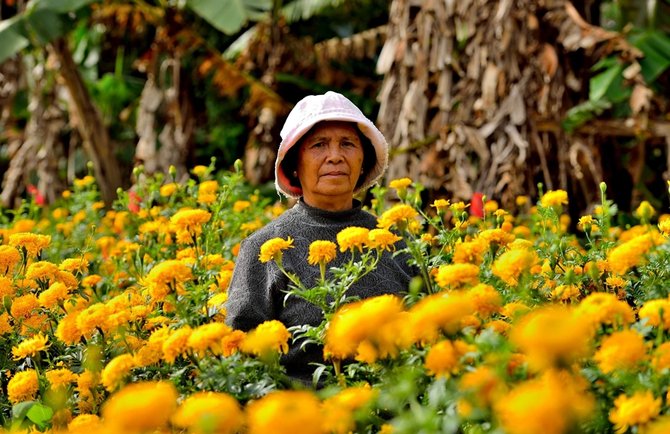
x,y
257,291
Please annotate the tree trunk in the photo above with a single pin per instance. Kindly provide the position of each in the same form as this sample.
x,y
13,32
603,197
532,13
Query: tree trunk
x,y
95,137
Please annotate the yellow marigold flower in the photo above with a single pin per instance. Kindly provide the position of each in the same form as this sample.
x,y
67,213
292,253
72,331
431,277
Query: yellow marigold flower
x,y
353,238
440,205
200,171
66,194
85,423
30,347
490,206
5,326
32,243
364,329
630,253
615,282
512,264
207,192
663,226
442,312
551,404
67,330
338,410
661,357
208,337
605,308
24,305
321,251
169,189
457,275
9,257
84,182
400,184
497,236
166,277
382,239
176,344
22,386
116,370
566,292
470,252
645,211
554,198
42,271
269,337
141,407
241,205
7,288
74,265
60,377
285,412
636,410
621,350
552,336
656,312
272,249
483,385
251,226
209,412
91,280
399,215
442,359
92,318
55,294
486,298
231,343
190,221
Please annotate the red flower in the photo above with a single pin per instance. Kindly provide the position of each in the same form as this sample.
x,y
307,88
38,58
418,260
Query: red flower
x,y
134,201
35,193
477,205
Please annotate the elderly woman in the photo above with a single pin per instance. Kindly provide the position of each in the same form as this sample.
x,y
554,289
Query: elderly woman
x,y
329,152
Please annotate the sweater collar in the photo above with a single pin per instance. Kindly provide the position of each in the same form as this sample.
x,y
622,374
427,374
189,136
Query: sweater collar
x,y
313,212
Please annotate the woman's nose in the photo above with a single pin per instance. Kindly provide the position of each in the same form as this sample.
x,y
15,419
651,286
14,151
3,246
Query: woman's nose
x,y
335,153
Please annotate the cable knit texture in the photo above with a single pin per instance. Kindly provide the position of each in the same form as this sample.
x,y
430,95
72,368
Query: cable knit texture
x,y
257,291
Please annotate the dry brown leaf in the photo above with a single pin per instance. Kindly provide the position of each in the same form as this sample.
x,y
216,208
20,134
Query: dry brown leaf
x,y
640,98
548,61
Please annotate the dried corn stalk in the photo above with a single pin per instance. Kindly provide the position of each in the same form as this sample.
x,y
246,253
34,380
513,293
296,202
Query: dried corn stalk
x,y
474,92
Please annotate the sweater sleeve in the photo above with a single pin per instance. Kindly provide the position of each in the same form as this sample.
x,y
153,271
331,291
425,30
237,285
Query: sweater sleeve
x,y
250,300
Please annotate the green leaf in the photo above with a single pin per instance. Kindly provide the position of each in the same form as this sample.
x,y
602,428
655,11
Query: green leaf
x,y
582,113
600,83
46,24
61,6
228,16
12,37
40,414
656,48
20,410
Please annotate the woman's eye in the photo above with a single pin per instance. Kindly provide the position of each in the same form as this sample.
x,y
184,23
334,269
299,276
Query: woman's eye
x,y
349,144
317,144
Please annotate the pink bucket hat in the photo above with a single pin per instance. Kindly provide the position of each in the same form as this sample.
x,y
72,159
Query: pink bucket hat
x,y
330,106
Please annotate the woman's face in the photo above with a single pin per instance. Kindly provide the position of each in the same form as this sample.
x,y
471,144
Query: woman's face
x,y
330,160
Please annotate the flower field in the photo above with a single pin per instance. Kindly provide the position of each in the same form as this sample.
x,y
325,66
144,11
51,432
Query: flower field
x,y
113,320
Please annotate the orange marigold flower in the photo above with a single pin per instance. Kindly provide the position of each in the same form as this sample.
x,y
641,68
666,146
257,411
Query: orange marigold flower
x,y
207,191
208,337
24,305
141,407
657,313
470,252
353,238
621,350
456,275
55,294
209,412
382,239
9,257
269,337
23,386
605,308
442,359
339,409
554,198
400,215
32,243
116,370
74,265
176,344
30,347
285,412
512,264
60,377
321,251
636,410
273,248
437,313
